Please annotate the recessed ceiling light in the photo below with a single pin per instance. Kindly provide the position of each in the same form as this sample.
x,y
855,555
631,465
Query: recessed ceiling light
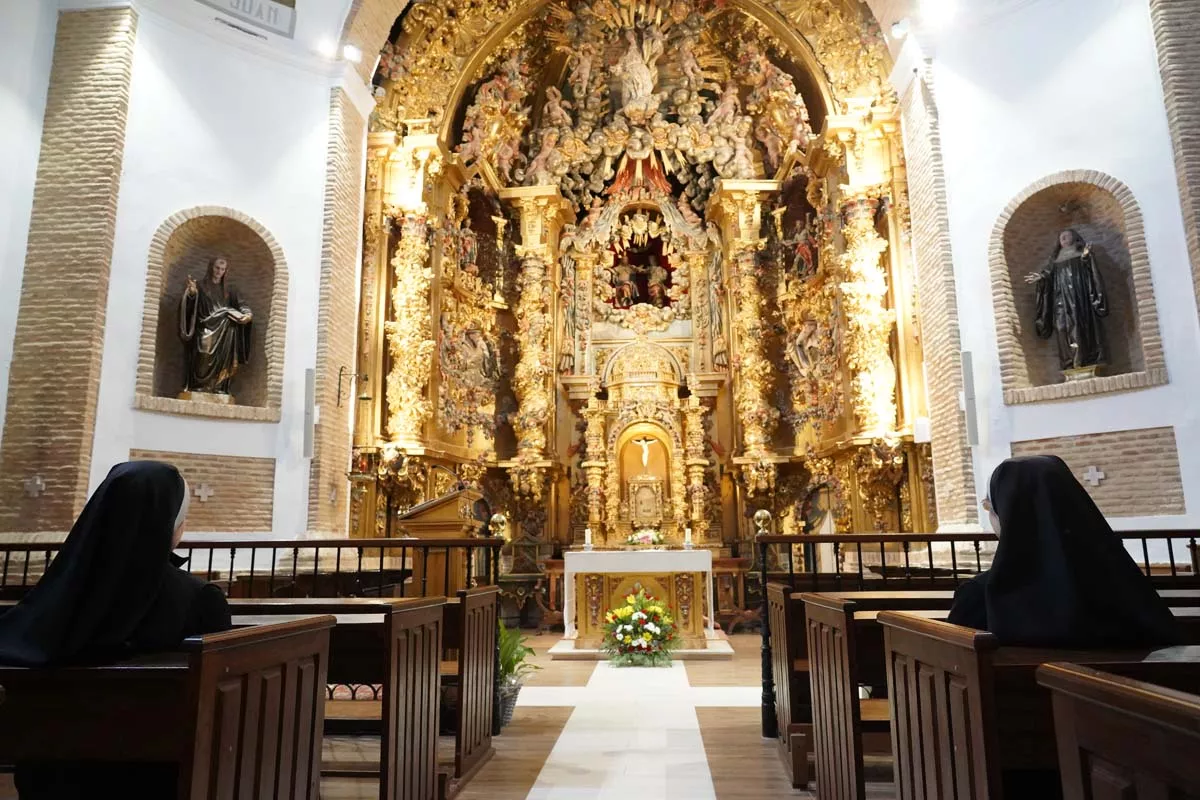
x,y
352,54
900,29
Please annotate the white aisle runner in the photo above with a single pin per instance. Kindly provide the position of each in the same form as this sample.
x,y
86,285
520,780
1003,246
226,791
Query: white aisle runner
x,y
632,736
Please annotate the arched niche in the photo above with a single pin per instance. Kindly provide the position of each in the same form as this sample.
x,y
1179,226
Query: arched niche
x,y
183,246
1103,210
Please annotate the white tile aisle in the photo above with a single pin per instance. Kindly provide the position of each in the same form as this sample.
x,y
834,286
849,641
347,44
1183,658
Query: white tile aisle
x,y
633,736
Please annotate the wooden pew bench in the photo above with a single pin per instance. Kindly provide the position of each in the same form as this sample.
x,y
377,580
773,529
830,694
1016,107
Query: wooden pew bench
x,y
845,651
469,665
395,644
968,715
460,652
240,712
790,663
1119,737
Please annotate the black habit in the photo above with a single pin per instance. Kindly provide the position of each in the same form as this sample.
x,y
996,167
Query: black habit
x,y
1060,577
1070,303
114,591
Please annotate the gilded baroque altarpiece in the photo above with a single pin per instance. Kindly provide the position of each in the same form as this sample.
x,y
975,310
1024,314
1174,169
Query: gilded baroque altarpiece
x,y
640,266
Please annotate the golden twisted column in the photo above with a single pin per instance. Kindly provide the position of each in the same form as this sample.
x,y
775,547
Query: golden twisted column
x,y
869,322
410,334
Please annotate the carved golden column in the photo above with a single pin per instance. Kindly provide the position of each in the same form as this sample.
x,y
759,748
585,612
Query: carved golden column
x,y
861,140
737,207
408,176
595,463
542,212
869,321
697,467
698,277
585,270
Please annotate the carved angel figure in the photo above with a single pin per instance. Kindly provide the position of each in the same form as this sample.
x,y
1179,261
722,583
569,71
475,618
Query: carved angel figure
x,y
689,65
555,111
539,169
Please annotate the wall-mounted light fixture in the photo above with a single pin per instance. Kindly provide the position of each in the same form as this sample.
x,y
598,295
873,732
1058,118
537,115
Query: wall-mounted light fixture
x,y
351,378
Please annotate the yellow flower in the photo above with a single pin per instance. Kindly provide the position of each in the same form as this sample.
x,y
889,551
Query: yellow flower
x,y
647,636
628,639
668,620
631,599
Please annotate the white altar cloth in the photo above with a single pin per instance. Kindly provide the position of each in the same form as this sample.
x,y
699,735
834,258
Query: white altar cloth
x,y
631,561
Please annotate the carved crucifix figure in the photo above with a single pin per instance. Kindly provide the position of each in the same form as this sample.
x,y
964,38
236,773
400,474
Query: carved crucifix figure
x,y
645,443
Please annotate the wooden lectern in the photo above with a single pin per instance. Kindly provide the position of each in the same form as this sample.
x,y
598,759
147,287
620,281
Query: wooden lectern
x,y
440,569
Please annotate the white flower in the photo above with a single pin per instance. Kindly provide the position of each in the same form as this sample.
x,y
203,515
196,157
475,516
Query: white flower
x,y
639,615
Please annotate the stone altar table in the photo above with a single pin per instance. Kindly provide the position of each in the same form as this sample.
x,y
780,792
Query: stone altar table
x,y
596,581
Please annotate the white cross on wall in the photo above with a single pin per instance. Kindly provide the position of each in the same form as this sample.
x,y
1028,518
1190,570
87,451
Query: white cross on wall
x,y
1094,476
35,486
204,491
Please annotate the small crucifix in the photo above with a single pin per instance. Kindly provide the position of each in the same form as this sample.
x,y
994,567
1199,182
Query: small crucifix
x,y
1093,476
204,491
35,486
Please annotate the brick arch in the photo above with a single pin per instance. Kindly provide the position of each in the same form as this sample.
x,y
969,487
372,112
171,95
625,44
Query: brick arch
x,y
1135,321
189,234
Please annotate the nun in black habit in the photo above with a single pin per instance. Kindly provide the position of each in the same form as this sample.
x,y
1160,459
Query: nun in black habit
x,y
1060,577
114,591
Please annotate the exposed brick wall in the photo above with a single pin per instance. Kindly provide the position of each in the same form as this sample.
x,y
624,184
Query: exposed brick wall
x,y
182,246
57,349
338,316
1105,212
954,476
243,490
1176,31
1141,468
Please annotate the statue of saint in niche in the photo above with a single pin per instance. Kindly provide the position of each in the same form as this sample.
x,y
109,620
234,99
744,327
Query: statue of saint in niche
x,y
215,327
1071,301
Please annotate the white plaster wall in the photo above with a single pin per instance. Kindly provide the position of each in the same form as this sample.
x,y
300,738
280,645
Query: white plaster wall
x,y
26,51
1046,86
211,123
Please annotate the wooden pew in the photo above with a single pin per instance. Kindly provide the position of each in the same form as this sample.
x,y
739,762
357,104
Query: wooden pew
x,y
470,639
840,718
395,644
789,670
240,712
794,694
846,650
964,711
1119,737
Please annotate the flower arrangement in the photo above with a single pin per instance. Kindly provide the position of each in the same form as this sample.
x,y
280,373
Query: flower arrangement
x,y
640,633
646,536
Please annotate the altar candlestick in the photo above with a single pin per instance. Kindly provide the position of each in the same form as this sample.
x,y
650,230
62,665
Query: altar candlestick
x,y
687,538
587,538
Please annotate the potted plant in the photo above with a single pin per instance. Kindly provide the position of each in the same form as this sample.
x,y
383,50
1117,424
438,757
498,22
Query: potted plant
x,y
514,669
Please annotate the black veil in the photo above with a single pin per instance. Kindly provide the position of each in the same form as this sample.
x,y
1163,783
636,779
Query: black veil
x,y
106,576
1061,577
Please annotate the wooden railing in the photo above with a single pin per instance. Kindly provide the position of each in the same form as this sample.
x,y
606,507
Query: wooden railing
x,y
303,567
895,561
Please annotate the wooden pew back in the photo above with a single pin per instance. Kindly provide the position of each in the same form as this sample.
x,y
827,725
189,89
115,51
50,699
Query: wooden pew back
x,y
396,643
409,766
788,647
965,711
239,711
836,715
472,629
1122,738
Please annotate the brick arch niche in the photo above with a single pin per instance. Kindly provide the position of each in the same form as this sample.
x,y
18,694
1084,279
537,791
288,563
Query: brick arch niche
x,y
183,246
1105,212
